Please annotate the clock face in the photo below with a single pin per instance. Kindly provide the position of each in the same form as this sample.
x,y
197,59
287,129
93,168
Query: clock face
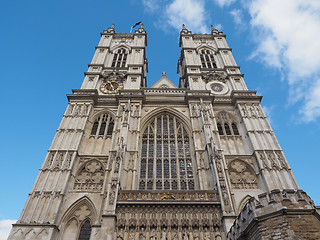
x,y
110,87
217,88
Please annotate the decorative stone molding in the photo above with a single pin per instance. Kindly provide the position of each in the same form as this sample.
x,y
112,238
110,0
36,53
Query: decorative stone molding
x,y
168,196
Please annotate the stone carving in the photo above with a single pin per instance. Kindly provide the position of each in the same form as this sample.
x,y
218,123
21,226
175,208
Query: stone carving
x,y
215,76
207,236
68,160
90,176
272,159
112,193
282,161
153,234
164,234
224,193
178,221
50,160
241,175
177,195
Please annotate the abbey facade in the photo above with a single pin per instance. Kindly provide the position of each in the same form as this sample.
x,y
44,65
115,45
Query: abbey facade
x,y
197,161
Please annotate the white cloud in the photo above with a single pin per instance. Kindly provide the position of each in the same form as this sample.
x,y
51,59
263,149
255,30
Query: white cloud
x,y
189,12
312,107
237,16
222,3
151,5
218,26
287,35
5,228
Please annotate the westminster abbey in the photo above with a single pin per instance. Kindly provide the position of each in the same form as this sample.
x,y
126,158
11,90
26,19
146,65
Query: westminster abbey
x,y
198,161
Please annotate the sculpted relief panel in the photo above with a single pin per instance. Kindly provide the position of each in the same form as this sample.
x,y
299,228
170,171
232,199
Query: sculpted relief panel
x,y
242,176
169,222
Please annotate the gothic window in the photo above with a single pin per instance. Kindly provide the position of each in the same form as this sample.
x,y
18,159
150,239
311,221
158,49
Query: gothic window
x,y
226,124
165,155
235,129
220,130
207,59
120,58
103,126
85,231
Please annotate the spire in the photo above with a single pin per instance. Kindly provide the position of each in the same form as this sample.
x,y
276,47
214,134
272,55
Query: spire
x,y
110,29
185,30
141,29
214,30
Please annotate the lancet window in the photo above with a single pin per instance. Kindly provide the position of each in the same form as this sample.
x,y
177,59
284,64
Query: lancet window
x,y
103,126
85,231
226,125
120,58
166,156
207,59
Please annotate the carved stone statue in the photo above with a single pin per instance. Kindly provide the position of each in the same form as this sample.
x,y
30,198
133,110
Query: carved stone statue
x,y
207,236
120,235
142,235
164,234
174,236
131,235
153,234
196,236
185,236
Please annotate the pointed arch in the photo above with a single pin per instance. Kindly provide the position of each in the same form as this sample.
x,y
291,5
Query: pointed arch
x,y
84,201
162,110
118,46
166,152
226,124
90,175
75,216
102,123
204,47
242,175
94,116
243,202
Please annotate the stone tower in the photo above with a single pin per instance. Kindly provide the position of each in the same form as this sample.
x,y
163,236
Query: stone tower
x,y
190,162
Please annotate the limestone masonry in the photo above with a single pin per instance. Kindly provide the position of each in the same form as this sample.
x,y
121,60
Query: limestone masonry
x,y
194,162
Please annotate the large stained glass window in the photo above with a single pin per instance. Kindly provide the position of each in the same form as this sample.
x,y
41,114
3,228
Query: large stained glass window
x,y
166,156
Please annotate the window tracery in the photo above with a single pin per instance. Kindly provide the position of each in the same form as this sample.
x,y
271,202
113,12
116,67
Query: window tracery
x,y
90,176
241,175
226,124
165,155
102,126
120,58
207,59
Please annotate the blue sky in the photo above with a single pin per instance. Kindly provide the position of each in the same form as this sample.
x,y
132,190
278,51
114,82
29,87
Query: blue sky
x,y
46,45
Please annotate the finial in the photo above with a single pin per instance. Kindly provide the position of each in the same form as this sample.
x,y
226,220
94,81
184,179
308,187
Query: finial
x,y
213,29
141,26
183,26
163,74
112,26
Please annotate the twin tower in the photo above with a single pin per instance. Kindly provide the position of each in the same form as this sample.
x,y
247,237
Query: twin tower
x,y
194,162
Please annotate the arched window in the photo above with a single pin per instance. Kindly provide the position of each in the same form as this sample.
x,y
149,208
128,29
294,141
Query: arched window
x,y
227,128
220,130
207,59
120,58
165,155
224,121
85,231
103,126
235,129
